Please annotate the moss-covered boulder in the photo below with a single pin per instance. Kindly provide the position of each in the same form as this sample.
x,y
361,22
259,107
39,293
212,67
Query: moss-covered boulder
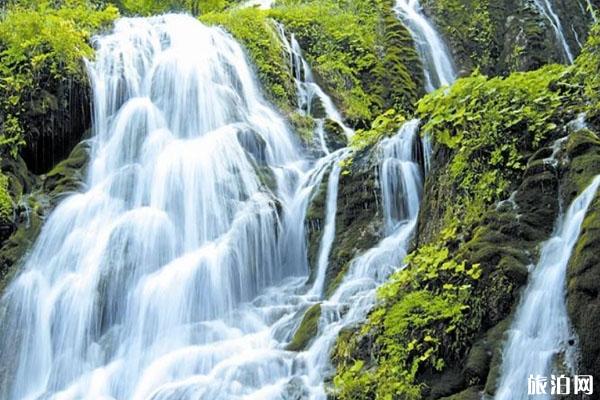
x,y
307,330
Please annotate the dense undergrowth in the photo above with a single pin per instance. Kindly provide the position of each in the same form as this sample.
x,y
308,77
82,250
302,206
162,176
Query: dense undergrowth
x,y
42,45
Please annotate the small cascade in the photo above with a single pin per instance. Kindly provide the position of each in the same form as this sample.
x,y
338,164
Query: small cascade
x,y
547,10
437,62
312,100
541,330
401,182
329,228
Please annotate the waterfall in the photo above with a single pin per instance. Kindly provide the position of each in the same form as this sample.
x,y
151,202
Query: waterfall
x,y
181,271
437,63
136,288
541,329
547,10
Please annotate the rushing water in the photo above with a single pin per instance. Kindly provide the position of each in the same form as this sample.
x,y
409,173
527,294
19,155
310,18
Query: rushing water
x,y
135,288
181,271
541,329
437,63
547,9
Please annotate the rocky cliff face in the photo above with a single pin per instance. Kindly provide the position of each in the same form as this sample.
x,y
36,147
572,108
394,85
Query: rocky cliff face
x,y
500,37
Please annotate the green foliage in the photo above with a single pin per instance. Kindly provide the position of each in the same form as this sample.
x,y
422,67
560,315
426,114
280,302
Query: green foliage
x,y
586,72
384,125
6,203
492,125
256,32
417,326
40,45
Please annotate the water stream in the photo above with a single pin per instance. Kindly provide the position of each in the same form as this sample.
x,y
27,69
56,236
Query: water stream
x,y
541,330
437,62
547,10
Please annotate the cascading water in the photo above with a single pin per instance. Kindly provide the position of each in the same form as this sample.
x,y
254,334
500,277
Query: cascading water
x,y
136,288
547,10
437,63
401,182
541,329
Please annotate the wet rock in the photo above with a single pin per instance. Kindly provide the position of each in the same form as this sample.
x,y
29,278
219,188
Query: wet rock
x,y
359,220
583,273
307,330
335,136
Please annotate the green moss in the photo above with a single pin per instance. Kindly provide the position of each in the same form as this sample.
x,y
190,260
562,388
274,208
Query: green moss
x,y
304,125
41,45
359,51
493,125
384,125
307,330
468,25
583,150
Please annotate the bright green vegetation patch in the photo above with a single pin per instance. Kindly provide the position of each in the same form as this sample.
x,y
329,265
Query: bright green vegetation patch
x,y
253,28
358,50
41,45
419,324
492,126
382,126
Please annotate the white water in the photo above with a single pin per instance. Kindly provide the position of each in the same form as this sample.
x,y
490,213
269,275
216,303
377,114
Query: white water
x,y
437,63
541,329
547,10
138,287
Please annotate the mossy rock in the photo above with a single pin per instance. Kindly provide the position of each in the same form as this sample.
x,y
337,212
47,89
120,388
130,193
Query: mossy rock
x,y
314,221
583,290
335,136
359,221
506,36
68,175
583,151
307,330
